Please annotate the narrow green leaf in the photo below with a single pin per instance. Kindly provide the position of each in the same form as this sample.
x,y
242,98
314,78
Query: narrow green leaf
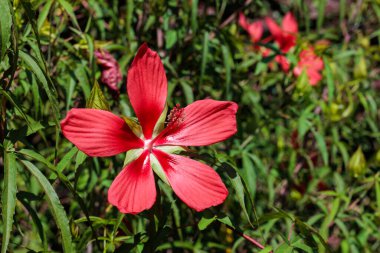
x,y
31,62
80,158
128,20
8,198
249,174
342,10
204,56
239,189
11,99
329,80
322,146
329,218
65,161
194,16
55,206
227,65
321,13
188,92
35,218
36,156
5,26
69,93
69,9
84,83
43,14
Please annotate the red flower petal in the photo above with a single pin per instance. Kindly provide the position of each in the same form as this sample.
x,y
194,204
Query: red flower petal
x,y
98,132
289,23
256,30
285,39
147,88
243,21
286,42
284,63
134,190
312,63
314,76
274,29
195,183
203,122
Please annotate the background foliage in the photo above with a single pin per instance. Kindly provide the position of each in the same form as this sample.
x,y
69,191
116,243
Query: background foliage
x,y
302,171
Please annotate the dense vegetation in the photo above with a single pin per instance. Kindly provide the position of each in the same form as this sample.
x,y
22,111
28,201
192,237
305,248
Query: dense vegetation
x,y
302,170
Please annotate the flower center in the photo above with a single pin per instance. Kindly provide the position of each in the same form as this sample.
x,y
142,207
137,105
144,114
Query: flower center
x,y
148,145
176,117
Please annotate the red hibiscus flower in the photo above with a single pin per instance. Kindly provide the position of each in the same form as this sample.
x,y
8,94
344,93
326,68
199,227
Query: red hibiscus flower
x,y
204,122
111,74
286,35
312,64
255,29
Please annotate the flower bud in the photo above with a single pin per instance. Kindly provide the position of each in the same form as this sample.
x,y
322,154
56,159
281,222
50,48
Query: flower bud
x,y
357,163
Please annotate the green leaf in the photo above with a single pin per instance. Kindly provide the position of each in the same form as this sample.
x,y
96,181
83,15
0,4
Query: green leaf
x,y
69,9
55,206
226,221
321,145
249,174
31,62
204,56
239,189
97,100
5,26
36,156
80,158
329,80
84,83
11,99
284,248
194,16
321,13
205,222
8,198
22,197
43,14
324,231
65,161
227,64
266,249
188,91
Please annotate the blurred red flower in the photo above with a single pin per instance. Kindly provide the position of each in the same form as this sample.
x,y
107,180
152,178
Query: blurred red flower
x,y
111,74
286,35
255,29
204,122
310,63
